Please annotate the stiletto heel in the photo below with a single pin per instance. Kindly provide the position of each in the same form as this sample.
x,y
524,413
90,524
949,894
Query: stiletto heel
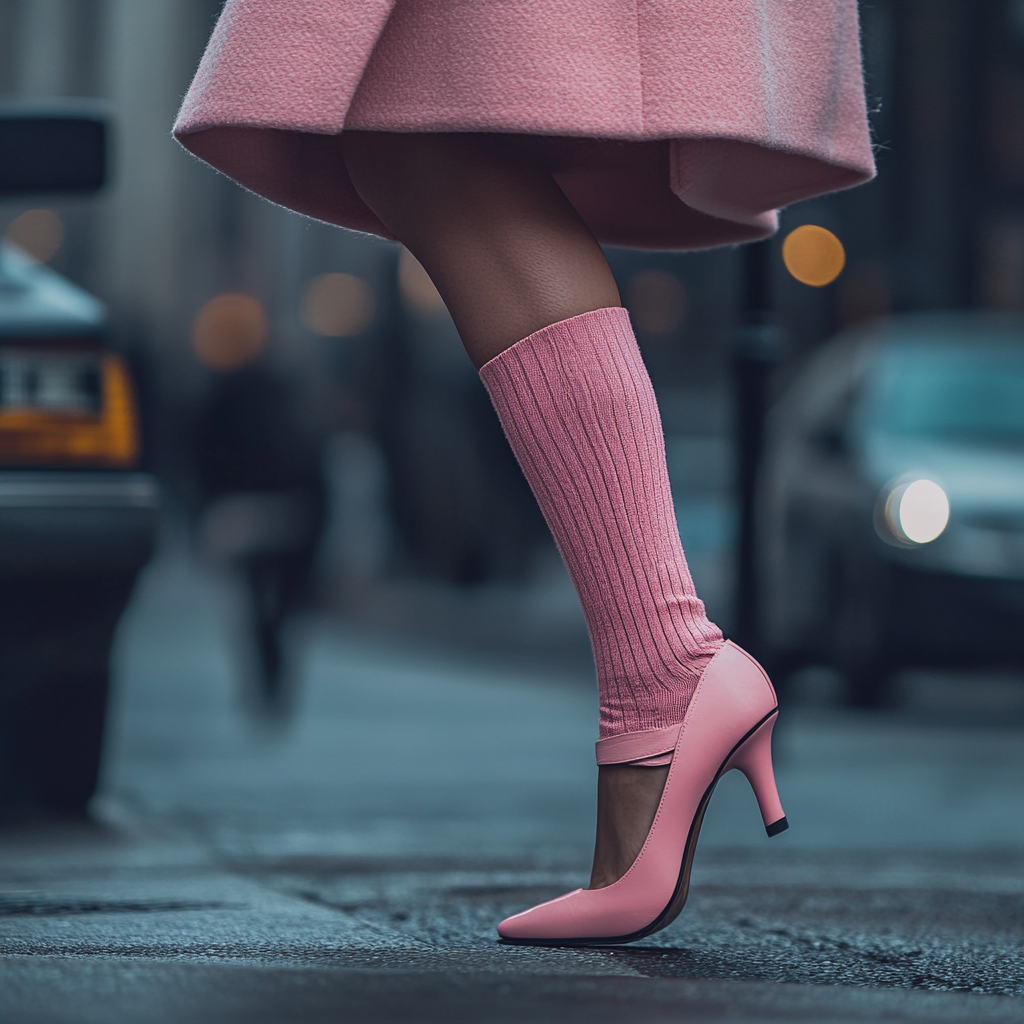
x,y
754,759
728,724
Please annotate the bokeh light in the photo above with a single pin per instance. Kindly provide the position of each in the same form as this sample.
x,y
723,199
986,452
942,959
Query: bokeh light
x,y
229,331
337,305
657,301
924,511
417,289
918,511
813,255
40,233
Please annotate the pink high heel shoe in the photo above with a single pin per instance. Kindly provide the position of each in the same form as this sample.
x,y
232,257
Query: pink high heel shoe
x,y
727,725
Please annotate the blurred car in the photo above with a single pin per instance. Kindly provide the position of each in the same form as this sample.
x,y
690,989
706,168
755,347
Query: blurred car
x,y
77,515
892,502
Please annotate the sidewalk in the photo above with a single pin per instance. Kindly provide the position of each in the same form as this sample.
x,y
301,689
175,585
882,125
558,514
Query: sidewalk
x,y
353,866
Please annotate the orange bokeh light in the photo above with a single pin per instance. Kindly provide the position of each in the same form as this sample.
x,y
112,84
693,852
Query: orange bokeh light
x,y
229,331
813,255
337,305
39,233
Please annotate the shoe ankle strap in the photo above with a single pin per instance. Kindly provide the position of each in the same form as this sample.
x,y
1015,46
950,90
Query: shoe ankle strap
x,y
651,746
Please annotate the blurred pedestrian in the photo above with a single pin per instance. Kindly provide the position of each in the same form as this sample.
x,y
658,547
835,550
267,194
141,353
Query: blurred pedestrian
x,y
502,142
263,497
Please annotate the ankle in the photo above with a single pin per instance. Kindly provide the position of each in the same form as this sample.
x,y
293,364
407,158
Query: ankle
x,y
627,802
634,711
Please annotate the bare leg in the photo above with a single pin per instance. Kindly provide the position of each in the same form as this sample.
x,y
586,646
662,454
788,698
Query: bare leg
x,y
509,255
484,216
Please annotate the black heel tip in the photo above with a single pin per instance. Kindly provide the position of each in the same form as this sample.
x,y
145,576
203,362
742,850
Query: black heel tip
x,y
776,827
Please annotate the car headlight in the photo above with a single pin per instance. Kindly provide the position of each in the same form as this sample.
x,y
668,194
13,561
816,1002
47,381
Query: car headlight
x,y
914,511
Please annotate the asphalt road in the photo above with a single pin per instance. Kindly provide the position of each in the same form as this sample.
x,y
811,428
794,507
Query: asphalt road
x,y
352,866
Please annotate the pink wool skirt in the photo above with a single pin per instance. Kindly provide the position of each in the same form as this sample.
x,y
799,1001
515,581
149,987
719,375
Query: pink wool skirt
x,y
713,114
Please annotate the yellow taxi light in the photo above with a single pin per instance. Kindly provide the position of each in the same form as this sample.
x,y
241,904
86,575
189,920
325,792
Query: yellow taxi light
x,y
107,438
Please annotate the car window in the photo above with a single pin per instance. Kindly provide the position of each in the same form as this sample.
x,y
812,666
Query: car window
x,y
969,394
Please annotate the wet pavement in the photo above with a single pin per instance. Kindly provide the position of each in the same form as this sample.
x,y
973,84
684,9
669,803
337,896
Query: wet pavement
x,y
351,866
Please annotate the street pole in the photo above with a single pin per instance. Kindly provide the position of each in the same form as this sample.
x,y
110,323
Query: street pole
x,y
757,352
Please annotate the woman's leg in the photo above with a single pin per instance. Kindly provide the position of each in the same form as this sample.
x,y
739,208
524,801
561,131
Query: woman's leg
x,y
500,241
515,264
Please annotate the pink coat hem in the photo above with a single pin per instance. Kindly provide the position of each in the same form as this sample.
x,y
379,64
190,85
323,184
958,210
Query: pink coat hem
x,y
726,110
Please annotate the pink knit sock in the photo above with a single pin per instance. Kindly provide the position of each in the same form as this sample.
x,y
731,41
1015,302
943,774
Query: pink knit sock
x,y
579,411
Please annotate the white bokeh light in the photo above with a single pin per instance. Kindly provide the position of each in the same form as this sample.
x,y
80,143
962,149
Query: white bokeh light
x,y
923,511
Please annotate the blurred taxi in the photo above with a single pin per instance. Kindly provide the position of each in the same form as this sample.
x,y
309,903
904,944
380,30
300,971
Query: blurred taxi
x,y
77,511
892,502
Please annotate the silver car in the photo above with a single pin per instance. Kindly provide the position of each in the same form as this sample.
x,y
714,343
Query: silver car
x,y
892,502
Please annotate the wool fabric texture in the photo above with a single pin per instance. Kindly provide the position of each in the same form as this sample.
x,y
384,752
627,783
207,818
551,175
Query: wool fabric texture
x,y
578,408
722,110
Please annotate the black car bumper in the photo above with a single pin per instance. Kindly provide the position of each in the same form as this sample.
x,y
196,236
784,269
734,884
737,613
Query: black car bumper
x,y
78,523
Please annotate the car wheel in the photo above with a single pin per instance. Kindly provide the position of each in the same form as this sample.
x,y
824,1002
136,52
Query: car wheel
x,y
51,741
55,640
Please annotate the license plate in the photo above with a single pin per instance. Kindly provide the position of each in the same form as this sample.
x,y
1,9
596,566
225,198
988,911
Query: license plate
x,y
50,382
